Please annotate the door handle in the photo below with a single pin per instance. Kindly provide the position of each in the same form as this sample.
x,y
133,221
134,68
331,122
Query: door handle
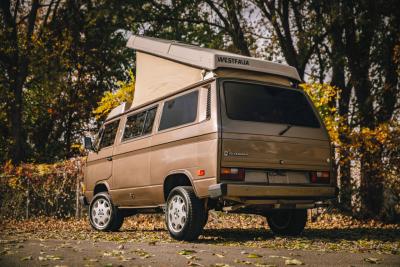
x,y
109,158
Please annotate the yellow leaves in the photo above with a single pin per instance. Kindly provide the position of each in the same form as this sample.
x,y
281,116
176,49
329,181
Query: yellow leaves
x,y
373,139
13,182
42,169
8,167
358,140
111,100
324,97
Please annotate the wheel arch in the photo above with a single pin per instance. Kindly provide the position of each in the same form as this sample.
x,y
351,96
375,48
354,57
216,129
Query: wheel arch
x,y
177,178
101,187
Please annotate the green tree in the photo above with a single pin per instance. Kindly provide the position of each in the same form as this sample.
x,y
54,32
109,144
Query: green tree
x,y
56,60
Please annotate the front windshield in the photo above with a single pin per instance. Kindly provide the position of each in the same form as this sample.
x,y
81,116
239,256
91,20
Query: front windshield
x,y
97,138
265,103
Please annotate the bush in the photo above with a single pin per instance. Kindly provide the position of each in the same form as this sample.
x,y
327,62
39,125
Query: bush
x,y
31,190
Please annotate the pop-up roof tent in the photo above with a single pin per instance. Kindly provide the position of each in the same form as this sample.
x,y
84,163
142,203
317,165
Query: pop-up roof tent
x,y
163,67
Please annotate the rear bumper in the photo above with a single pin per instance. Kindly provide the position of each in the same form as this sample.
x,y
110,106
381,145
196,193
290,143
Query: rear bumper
x,y
281,192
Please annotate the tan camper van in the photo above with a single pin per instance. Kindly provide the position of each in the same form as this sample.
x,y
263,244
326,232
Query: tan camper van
x,y
208,130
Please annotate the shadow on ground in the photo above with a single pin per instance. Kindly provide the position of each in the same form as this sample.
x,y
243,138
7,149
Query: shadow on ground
x,y
352,234
215,236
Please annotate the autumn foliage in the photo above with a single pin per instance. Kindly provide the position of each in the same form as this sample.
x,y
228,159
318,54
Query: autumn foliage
x,y
110,99
32,190
379,145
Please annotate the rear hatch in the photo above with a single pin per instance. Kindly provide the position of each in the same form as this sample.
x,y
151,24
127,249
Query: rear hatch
x,y
273,133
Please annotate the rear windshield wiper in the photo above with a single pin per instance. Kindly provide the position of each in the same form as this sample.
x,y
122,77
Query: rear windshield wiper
x,y
285,130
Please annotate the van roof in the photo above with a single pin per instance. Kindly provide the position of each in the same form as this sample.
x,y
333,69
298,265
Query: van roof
x,y
206,58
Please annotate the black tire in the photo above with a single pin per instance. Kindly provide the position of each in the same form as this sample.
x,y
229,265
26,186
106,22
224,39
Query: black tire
x,y
287,222
115,217
192,225
206,215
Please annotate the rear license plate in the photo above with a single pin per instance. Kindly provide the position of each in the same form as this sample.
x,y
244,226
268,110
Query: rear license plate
x,y
275,177
290,177
255,176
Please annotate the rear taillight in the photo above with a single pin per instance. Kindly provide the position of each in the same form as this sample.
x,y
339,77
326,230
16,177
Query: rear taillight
x,y
233,174
320,177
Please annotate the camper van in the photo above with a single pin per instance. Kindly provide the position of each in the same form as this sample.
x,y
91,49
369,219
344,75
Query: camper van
x,y
208,130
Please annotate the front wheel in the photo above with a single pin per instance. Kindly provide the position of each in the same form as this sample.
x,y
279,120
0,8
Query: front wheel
x,y
103,215
287,222
185,214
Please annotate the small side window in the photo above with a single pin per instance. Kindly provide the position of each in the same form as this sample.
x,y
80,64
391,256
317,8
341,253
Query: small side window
x,y
179,111
148,125
134,125
139,124
109,132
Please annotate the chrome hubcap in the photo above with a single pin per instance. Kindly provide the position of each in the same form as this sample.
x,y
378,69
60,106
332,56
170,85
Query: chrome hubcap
x,y
177,213
101,213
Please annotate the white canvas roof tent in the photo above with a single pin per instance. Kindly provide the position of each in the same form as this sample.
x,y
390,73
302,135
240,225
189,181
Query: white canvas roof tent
x,y
163,67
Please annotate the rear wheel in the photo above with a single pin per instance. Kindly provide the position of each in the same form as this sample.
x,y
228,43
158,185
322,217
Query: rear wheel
x,y
287,222
185,214
103,215
206,215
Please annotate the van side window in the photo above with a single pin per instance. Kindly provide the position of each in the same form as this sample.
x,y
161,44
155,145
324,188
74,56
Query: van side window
x,y
148,125
110,130
139,124
180,110
134,125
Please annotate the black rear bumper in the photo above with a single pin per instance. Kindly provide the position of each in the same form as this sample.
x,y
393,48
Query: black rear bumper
x,y
254,191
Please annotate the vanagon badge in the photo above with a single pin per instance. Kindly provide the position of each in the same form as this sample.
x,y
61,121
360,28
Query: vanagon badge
x,y
238,154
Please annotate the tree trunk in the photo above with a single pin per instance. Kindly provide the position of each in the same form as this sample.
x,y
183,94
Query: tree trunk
x,y
16,122
338,80
371,189
237,33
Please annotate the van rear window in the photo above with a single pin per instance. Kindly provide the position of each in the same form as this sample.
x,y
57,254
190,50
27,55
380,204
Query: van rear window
x,y
262,103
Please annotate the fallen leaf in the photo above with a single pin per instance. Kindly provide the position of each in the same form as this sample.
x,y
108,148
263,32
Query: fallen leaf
x,y
293,262
253,255
54,257
282,257
372,260
219,255
243,262
259,264
40,258
192,263
126,258
27,258
186,252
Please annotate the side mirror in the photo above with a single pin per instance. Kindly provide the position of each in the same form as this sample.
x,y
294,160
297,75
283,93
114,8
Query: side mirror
x,y
87,141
